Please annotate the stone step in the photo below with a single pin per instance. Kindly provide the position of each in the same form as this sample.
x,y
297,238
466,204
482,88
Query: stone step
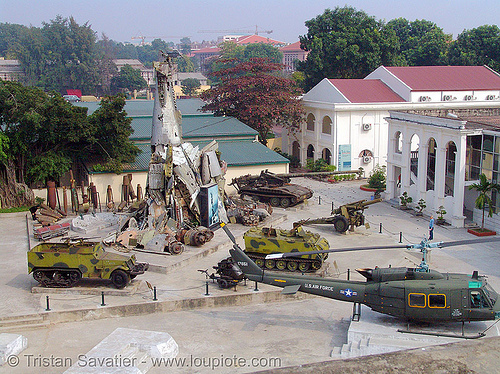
x,y
15,328
21,320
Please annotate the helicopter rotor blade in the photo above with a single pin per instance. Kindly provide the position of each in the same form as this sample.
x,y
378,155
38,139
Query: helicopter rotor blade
x,y
470,241
353,249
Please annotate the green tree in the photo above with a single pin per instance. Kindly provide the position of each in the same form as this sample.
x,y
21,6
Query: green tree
x,y
127,80
484,187
185,46
346,43
422,43
190,85
252,92
111,130
479,46
184,64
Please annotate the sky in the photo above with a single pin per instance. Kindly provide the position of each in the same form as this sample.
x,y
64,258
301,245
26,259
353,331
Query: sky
x,y
170,20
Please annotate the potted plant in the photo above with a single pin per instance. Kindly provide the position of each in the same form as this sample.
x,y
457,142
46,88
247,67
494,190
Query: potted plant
x,y
440,212
484,188
405,200
420,207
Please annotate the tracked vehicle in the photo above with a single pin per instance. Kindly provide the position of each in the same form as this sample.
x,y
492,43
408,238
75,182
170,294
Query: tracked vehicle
x,y
260,242
64,264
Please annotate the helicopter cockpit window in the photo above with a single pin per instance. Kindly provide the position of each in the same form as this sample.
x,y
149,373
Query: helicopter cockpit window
x,y
437,301
477,300
416,300
490,294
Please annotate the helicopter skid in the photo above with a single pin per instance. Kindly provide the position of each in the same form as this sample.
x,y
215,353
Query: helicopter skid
x,y
443,334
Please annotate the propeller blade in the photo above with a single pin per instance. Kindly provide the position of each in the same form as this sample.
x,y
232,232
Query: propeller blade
x,y
470,241
297,254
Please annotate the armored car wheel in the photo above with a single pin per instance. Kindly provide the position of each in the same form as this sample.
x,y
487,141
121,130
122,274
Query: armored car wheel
x,y
120,279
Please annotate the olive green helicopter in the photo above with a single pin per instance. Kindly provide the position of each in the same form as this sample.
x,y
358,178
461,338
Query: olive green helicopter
x,y
415,294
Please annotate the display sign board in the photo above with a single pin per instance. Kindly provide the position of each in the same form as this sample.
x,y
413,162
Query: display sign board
x,y
209,205
344,163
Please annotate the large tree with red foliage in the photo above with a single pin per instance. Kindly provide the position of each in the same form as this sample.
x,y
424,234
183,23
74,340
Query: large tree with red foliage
x,y
254,92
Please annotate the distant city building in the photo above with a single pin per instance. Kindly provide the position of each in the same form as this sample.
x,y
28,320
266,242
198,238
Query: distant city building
x,y
146,73
10,70
291,54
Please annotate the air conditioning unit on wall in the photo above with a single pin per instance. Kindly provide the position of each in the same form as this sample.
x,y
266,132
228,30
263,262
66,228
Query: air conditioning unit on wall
x,y
367,159
367,126
469,98
449,98
491,97
424,98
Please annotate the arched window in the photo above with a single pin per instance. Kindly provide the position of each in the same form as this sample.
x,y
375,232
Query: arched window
x,y
449,182
431,163
398,142
327,125
310,152
327,156
415,144
310,122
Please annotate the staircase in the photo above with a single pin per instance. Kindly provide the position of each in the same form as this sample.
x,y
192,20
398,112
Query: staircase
x,y
19,323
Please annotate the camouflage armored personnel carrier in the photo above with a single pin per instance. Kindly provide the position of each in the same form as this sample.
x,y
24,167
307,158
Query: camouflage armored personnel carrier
x,y
260,242
64,264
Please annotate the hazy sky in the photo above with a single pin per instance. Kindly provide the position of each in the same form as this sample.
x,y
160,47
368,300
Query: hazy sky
x,y
122,19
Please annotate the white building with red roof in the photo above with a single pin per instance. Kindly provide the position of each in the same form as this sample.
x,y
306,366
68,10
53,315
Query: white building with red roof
x,y
354,123
349,115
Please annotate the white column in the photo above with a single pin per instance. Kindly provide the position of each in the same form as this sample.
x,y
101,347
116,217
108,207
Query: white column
x,y
458,218
439,177
405,166
422,169
390,180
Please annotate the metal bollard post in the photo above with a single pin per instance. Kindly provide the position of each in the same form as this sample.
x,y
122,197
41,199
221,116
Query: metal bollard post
x,y
319,200
102,299
348,274
401,237
256,289
380,230
206,289
154,294
48,306
332,205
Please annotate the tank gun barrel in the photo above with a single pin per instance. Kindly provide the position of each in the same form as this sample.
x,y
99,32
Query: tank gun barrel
x,y
315,173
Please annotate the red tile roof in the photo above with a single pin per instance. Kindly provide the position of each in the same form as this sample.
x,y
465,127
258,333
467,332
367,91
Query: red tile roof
x,y
366,91
447,78
213,50
294,47
250,39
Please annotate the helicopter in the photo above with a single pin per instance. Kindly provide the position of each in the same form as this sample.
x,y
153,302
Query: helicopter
x,y
415,294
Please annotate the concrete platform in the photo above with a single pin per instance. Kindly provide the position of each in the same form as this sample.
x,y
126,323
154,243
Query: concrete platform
x,y
10,347
378,333
94,287
126,351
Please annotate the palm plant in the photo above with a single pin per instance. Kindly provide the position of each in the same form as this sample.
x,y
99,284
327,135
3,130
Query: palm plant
x,y
484,187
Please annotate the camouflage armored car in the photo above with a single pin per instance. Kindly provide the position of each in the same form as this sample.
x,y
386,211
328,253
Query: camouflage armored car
x,y
260,242
64,264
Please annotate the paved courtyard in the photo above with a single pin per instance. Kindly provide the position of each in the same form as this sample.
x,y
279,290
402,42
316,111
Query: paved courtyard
x,y
287,332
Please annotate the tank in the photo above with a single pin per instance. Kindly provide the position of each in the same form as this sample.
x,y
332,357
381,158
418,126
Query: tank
x,y
260,242
271,188
64,264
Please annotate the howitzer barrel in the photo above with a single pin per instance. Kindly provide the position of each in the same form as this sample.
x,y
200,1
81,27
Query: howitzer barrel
x,y
370,202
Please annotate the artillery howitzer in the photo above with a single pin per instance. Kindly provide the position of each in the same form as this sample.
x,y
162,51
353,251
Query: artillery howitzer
x,y
344,217
276,189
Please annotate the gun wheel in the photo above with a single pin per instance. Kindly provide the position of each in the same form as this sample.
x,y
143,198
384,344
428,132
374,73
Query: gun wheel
x,y
341,224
